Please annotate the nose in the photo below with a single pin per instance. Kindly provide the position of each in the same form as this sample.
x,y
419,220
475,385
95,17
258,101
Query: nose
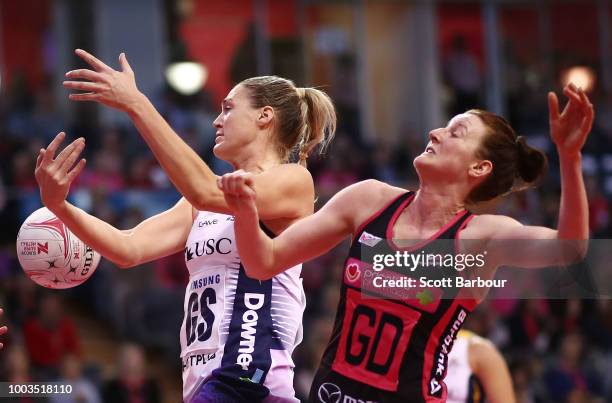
x,y
217,122
435,135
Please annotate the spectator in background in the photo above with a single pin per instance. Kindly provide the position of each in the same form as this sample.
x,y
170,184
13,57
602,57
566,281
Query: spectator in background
x,y
598,328
522,379
16,367
20,299
22,166
528,325
140,172
570,379
132,385
599,208
49,337
17,371
106,174
46,119
463,75
83,391
345,93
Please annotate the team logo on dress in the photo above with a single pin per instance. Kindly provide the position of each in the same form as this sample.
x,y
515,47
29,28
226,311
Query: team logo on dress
x,y
206,247
329,393
352,272
425,297
369,239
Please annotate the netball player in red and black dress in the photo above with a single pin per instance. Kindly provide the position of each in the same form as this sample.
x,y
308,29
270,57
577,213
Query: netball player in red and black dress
x,y
396,349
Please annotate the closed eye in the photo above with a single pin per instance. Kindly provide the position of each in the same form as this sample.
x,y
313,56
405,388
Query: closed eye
x,y
458,131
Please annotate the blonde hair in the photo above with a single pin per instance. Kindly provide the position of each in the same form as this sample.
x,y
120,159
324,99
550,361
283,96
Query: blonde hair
x,y
305,117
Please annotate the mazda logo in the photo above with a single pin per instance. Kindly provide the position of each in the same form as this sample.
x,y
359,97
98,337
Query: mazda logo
x,y
329,393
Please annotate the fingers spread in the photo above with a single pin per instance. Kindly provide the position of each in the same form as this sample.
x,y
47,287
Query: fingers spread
x,y
73,155
76,170
61,157
83,86
50,152
86,74
572,94
93,61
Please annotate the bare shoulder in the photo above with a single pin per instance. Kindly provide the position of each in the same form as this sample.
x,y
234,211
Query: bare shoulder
x,y
294,173
370,193
360,200
290,181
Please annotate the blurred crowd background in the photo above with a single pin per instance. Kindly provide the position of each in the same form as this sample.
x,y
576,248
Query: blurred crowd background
x,y
395,69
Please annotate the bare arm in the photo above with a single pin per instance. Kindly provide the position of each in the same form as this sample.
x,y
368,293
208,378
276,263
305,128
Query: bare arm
x,y
155,237
306,239
490,367
277,189
569,131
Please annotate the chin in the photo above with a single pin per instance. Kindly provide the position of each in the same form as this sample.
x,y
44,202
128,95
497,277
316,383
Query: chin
x,y
220,151
424,166
420,161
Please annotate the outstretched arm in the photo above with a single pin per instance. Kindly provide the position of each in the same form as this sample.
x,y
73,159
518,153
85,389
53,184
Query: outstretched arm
x,y
277,188
569,131
155,237
306,239
118,90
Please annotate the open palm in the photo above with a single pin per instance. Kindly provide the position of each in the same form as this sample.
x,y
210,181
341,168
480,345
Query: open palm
x,y
114,88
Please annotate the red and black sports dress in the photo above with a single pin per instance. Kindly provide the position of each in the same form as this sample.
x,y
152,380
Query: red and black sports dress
x,y
390,349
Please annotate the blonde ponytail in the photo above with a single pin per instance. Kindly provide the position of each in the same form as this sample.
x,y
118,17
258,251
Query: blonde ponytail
x,y
319,117
305,117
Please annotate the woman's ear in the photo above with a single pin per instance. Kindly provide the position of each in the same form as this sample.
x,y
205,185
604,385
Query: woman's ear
x,y
266,116
480,169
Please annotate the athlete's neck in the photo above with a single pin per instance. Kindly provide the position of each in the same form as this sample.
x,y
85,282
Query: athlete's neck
x,y
256,164
433,207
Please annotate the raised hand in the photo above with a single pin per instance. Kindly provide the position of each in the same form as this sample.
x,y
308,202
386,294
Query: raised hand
x,y
109,87
570,128
3,329
55,175
238,190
